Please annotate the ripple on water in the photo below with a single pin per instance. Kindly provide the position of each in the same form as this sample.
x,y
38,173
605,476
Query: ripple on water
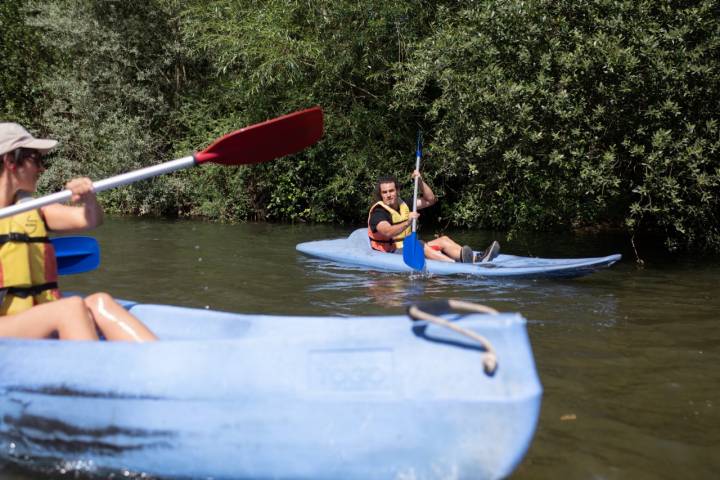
x,y
628,357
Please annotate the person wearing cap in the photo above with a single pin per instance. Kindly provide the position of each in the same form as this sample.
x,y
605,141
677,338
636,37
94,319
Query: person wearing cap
x,y
31,305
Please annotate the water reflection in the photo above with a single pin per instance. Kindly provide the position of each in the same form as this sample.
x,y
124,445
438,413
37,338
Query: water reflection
x,y
388,290
555,299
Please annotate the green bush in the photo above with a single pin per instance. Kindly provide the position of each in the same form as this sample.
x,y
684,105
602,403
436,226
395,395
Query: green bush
x,y
567,114
537,114
22,62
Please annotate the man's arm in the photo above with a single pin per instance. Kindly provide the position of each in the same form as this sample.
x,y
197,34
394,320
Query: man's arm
x,y
428,198
389,230
381,222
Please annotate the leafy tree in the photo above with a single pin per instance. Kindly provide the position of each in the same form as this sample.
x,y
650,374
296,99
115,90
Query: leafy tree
x,y
22,62
567,114
539,114
111,87
272,57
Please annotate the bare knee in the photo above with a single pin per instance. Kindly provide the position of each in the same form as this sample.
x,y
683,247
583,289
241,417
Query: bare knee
x,y
76,305
433,254
98,300
97,303
75,322
441,242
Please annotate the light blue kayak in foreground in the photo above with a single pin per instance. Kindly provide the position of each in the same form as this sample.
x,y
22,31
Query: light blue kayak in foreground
x,y
355,250
227,395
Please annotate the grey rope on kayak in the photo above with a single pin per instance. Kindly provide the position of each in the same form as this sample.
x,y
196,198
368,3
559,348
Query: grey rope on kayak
x,y
444,306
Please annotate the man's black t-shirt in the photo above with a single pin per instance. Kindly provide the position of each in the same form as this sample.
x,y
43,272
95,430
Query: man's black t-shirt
x,y
379,214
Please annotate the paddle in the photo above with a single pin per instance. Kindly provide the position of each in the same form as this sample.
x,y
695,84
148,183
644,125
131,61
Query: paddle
x,y
254,144
76,254
413,254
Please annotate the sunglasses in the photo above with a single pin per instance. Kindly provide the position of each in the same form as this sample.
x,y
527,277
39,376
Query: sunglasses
x,y
22,154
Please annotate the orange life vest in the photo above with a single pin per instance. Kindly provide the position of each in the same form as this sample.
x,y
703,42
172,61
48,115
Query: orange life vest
x,y
383,243
28,267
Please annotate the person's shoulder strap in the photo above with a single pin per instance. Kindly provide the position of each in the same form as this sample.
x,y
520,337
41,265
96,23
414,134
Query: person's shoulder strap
x,y
378,215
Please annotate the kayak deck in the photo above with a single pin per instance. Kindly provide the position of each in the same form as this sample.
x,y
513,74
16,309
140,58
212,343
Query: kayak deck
x,y
227,395
355,250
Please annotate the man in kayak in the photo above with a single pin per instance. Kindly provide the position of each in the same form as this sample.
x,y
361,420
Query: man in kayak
x,y
30,302
390,221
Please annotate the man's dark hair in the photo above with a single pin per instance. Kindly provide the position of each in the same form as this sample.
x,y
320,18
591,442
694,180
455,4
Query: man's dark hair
x,y
384,179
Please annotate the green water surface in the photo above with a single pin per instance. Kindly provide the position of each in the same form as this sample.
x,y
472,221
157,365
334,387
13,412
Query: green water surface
x,y
629,357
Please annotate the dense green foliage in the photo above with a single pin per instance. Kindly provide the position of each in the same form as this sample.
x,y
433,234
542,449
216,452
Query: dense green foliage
x,y
538,114
573,113
22,60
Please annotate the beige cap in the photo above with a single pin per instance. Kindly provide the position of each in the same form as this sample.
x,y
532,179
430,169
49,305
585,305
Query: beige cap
x,y
14,136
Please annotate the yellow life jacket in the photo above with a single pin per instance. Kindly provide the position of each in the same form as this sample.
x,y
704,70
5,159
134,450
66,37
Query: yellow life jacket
x,y
381,242
28,267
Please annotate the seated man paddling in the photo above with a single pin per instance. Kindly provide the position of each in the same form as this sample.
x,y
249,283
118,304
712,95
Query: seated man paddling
x,y
390,221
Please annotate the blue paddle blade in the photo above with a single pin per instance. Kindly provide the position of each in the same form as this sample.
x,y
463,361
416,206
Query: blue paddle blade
x,y
76,254
413,254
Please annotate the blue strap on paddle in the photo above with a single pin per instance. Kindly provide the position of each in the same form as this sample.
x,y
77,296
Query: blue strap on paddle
x,y
413,253
76,254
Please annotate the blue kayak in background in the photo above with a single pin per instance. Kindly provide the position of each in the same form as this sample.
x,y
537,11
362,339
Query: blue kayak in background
x,y
355,250
230,396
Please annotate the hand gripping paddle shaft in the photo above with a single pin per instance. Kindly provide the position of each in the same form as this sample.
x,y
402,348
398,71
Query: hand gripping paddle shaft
x,y
254,144
413,253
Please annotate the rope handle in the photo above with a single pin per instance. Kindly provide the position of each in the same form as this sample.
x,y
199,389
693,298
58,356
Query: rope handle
x,y
429,311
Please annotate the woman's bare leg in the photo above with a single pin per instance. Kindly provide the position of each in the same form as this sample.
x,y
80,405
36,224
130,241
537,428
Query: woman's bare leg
x,y
67,317
115,322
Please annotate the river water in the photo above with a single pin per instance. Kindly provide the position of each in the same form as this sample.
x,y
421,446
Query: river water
x,y
629,357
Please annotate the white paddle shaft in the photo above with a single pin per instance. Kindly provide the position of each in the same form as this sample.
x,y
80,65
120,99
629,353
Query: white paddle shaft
x,y
102,185
417,181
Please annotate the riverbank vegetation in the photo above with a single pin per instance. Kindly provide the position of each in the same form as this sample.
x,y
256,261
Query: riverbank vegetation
x,y
562,114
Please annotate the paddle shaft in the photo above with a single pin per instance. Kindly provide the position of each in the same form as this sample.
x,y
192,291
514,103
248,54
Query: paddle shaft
x,y
257,143
417,182
102,185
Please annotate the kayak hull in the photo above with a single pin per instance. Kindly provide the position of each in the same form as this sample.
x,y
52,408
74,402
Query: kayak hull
x,y
248,396
355,250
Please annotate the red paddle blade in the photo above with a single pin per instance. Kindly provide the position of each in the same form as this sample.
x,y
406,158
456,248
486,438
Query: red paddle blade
x,y
265,141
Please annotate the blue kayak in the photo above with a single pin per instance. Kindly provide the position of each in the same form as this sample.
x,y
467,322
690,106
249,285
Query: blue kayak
x,y
355,250
226,395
